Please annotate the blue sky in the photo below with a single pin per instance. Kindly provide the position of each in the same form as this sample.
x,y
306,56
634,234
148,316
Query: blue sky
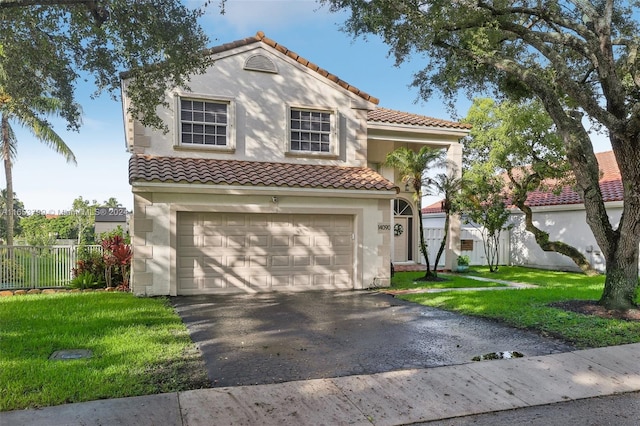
x,y
43,181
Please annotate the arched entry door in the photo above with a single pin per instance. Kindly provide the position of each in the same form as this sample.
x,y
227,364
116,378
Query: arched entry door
x,y
402,231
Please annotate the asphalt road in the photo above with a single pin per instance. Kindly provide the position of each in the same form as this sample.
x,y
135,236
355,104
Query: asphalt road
x,y
280,337
615,410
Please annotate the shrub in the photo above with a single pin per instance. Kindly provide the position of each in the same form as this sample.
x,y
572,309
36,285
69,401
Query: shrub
x,y
92,262
86,280
117,257
463,260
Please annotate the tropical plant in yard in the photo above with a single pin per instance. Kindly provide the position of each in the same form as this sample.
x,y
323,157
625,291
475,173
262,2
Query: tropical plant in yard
x,y
117,257
18,210
483,205
447,185
30,117
412,167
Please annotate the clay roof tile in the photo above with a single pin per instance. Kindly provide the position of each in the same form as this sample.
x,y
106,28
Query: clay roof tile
x,y
145,168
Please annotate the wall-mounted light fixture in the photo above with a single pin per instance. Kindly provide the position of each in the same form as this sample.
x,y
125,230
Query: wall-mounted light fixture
x,y
406,187
274,199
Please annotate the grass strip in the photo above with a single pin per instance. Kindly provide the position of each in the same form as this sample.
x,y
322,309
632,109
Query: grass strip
x,y
529,308
140,346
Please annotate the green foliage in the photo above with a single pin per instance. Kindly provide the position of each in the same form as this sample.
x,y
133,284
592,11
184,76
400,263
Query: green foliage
x,y
483,204
118,232
117,257
515,138
86,280
36,230
18,213
412,166
48,47
463,260
90,262
11,271
84,216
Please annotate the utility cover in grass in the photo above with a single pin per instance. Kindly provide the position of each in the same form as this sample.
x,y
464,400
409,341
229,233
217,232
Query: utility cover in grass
x,y
68,354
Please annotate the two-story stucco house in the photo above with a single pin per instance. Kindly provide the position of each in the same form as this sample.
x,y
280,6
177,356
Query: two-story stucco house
x,y
271,178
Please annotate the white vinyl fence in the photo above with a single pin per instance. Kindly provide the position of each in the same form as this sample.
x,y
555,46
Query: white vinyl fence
x,y
38,267
472,246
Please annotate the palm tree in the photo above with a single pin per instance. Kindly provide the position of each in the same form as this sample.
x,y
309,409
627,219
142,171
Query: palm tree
x,y
29,118
112,202
19,211
412,167
447,185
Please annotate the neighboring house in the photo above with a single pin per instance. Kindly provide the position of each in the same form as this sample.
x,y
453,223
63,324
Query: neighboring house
x,y
271,178
108,219
562,215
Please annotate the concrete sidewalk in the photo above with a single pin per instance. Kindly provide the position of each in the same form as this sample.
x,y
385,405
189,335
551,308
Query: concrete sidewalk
x,y
393,398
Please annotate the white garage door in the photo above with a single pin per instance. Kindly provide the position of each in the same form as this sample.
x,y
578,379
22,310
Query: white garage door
x,y
233,252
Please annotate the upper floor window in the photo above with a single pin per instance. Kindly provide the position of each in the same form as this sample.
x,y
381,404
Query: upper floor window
x,y
204,123
311,131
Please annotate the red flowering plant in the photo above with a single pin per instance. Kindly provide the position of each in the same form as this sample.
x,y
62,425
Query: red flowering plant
x,y
117,258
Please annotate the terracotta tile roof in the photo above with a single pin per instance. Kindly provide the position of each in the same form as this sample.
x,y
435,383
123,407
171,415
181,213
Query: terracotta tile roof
x,y
144,168
610,185
384,115
260,37
433,208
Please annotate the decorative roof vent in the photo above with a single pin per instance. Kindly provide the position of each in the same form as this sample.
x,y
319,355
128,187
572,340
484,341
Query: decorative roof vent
x,y
260,63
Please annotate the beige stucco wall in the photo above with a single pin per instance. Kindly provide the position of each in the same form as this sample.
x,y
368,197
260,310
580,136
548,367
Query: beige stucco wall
x,y
259,121
154,228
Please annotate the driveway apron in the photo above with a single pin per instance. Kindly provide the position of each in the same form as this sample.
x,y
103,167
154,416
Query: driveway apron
x,y
279,337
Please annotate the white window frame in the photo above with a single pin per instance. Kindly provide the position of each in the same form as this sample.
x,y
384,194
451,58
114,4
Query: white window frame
x,y
334,140
230,125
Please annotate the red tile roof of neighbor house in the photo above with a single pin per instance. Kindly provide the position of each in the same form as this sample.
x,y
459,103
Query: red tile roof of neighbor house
x,y
144,168
384,115
610,185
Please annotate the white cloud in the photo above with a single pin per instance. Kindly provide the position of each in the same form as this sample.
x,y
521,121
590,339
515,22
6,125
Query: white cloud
x,y
249,16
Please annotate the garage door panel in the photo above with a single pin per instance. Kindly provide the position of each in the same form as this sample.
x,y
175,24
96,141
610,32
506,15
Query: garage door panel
x,y
261,281
236,241
280,280
213,282
277,261
259,241
342,241
322,260
258,261
232,252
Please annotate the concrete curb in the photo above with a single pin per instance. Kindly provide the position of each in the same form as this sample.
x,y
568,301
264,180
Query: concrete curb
x,y
392,398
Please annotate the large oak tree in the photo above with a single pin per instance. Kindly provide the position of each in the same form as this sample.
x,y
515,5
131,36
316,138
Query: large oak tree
x,y
518,141
48,46
578,57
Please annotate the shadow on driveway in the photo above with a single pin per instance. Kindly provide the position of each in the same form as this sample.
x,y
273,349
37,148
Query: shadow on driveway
x,y
280,337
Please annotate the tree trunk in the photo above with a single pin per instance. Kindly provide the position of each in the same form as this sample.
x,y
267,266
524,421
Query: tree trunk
x,y
423,246
6,154
443,242
542,238
622,279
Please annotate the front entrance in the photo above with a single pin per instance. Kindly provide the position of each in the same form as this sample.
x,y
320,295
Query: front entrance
x,y
402,231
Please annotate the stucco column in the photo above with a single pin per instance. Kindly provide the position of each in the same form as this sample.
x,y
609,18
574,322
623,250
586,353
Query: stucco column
x,y
452,251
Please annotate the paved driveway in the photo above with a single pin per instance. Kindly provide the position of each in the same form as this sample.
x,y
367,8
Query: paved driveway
x,y
275,337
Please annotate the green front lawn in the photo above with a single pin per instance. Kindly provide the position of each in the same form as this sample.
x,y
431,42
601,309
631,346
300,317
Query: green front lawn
x,y
528,308
407,281
140,346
